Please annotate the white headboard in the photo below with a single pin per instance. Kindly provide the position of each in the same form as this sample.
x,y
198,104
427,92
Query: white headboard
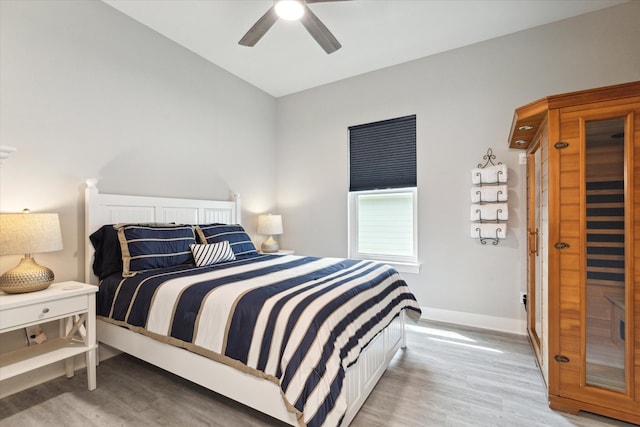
x,y
101,209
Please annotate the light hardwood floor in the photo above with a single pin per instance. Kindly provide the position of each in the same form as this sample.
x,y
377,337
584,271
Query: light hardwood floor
x,y
447,376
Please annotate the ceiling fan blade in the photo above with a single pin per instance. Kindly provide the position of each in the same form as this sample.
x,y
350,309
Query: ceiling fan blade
x,y
260,28
319,31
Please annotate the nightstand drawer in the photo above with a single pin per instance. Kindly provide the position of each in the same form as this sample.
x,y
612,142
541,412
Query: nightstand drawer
x,y
42,311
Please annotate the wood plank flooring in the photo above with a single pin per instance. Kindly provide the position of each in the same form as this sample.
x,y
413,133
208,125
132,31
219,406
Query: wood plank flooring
x,y
447,376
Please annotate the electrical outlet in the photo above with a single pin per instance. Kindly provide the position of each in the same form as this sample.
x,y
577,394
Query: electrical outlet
x,y
523,298
523,158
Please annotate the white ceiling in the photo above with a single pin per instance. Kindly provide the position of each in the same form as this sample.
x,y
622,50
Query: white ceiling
x,y
374,33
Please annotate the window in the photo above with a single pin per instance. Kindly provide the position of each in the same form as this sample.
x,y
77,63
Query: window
x,y
383,193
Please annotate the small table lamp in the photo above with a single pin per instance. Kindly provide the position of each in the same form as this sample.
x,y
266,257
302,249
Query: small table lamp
x,y
271,225
28,233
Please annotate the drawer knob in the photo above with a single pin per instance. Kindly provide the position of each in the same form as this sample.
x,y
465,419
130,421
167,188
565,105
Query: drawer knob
x,y
45,310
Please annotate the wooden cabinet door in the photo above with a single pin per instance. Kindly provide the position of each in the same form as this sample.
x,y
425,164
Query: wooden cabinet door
x,y
595,354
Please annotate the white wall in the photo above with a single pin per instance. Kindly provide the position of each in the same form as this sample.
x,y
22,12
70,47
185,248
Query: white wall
x,y
88,92
464,102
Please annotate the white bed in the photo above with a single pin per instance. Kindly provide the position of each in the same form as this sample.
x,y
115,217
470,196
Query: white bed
x,y
257,393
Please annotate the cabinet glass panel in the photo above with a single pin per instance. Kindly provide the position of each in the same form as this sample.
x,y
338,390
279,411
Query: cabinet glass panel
x,y
537,296
605,253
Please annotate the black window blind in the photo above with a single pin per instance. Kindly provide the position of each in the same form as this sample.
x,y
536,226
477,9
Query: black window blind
x,y
383,154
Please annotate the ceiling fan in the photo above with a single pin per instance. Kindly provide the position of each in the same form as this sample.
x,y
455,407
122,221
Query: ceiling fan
x,y
293,10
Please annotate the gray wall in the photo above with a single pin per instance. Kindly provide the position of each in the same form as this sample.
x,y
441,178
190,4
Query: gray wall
x,y
88,92
464,101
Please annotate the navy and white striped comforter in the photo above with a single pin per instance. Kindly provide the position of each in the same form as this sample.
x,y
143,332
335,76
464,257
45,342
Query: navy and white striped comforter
x,y
297,321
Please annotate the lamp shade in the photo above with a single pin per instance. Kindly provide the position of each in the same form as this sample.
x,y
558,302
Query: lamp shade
x,y
270,224
29,233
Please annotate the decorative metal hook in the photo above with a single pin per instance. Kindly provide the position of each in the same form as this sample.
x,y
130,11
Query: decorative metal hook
x,y
488,158
493,240
499,180
480,200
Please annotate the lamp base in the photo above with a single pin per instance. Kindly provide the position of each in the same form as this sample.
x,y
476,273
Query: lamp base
x,y
270,246
28,276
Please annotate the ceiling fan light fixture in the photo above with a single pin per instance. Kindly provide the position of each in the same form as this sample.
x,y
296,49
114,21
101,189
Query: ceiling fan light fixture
x,y
291,10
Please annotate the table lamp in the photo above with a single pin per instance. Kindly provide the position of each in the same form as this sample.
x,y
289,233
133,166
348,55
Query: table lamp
x,y
28,233
270,225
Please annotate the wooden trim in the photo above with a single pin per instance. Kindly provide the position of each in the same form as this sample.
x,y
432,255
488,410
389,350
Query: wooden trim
x,y
600,94
582,154
574,407
533,114
553,308
632,289
527,116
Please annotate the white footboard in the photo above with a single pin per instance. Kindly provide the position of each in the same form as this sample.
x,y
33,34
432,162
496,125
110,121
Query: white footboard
x,y
254,392
362,377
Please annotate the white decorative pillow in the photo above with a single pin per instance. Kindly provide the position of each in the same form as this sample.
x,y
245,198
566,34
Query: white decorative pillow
x,y
213,253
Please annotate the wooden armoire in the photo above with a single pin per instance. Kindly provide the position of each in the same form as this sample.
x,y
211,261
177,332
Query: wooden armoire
x,y
583,221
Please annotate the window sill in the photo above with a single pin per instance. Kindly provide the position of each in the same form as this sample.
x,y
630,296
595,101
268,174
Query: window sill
x,y
403,267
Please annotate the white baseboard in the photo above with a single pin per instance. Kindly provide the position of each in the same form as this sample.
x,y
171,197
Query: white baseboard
x,y
502,324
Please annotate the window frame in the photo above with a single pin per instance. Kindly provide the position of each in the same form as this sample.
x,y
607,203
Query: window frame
x,y
402,263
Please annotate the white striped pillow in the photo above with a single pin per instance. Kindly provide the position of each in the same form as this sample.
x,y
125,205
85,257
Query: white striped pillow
x,y
213,253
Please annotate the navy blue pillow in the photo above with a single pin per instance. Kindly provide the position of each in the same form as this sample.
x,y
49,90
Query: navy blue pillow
x,y
147,247
238,238
108,256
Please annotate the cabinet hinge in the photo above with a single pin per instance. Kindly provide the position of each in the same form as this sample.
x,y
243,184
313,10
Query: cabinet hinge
x,y
561,145
561,245
561,358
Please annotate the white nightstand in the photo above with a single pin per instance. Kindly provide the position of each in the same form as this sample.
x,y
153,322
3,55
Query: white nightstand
x,y
74,305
